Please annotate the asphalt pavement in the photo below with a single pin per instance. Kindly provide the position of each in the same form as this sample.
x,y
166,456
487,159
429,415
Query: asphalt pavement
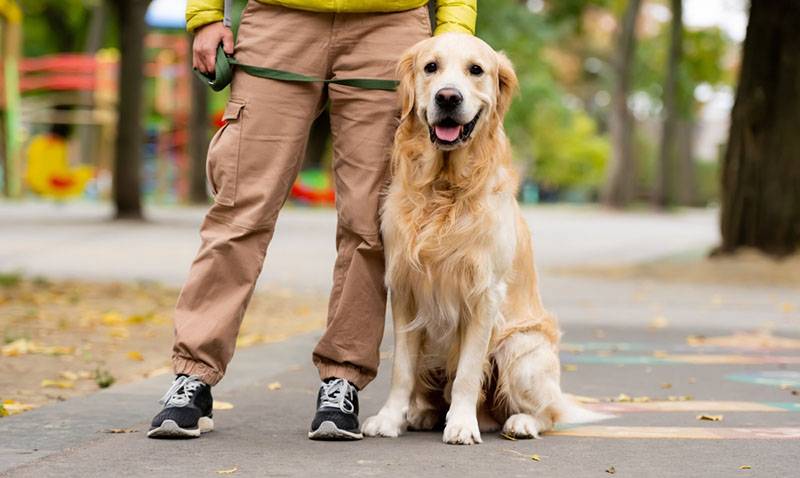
x,y
696,385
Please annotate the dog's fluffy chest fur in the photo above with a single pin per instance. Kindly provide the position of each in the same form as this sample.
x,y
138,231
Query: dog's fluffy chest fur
x,y
449,251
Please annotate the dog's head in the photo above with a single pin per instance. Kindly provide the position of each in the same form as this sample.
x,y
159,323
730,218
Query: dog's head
x,y
457,86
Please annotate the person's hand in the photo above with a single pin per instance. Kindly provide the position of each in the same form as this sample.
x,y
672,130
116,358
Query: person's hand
x,y
206,40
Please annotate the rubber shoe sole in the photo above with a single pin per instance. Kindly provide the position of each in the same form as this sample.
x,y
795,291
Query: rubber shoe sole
x,y
328,431
170,429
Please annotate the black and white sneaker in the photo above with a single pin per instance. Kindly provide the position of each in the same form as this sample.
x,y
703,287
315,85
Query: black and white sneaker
x,y
187,410
337,412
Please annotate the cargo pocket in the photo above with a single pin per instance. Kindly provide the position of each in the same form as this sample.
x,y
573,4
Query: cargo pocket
x,y
222,164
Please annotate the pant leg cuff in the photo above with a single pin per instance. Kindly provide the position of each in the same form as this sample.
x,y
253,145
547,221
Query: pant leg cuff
x,y
350,373
187,366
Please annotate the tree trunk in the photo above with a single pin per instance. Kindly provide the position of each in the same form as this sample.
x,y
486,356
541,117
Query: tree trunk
x,y
621,182
761,168
198,138
664,193
87,133
686,193
127,159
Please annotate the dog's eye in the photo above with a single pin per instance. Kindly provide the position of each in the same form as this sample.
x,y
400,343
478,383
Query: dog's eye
x,y
476,70
431,67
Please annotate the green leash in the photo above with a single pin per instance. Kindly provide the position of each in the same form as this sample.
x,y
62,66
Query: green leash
x,y
223,75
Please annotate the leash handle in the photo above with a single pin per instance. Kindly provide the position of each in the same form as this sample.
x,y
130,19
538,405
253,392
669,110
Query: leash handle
x,y
223,75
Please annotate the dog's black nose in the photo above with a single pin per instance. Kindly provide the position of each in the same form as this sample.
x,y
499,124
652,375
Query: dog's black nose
x,y
448,98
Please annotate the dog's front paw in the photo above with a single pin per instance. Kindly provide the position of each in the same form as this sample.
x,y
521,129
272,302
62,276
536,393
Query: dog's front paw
x,y
462,430
384,425
522,425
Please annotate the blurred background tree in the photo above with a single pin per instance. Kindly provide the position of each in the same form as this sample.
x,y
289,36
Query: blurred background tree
x,y
613,105
761,168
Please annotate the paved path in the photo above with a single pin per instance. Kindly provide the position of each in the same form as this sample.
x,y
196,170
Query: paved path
x,y
621,337
79,240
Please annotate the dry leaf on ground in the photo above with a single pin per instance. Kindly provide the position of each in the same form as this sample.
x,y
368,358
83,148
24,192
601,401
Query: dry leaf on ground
x,y
229,471
220,405
274,386
710,418
46,383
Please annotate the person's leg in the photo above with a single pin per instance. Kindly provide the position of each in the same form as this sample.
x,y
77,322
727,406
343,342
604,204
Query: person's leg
x,y
252,162
363,124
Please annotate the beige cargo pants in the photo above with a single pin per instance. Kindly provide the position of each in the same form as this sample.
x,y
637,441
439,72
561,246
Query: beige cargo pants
x,y
254,159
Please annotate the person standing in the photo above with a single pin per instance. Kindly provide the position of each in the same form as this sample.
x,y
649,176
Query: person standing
x,y
253,161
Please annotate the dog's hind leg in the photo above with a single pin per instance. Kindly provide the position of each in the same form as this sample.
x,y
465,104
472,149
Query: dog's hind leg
x,y
528,385
391,419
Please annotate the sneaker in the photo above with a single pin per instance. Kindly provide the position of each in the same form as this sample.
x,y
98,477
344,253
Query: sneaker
x,y
337,412
187,410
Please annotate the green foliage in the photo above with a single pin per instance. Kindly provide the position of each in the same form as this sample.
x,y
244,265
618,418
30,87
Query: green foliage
x,y
559,145
103,378
10,279
703,54
53,26
571,154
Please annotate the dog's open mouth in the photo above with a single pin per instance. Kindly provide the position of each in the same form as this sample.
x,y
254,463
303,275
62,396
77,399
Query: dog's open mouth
x,y
449,131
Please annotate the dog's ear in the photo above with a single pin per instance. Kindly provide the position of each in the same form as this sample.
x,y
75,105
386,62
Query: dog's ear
x,y
405,73
507,84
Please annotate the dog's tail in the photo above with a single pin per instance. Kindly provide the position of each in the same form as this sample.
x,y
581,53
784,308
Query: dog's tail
x,y
569,411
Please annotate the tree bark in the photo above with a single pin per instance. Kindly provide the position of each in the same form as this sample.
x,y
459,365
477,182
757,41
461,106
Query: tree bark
x,y
87,133
198,138
620,187
686,193
761,168
127,159
664,193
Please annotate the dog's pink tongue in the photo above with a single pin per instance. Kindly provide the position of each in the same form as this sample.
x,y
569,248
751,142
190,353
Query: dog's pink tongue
x,y
447,133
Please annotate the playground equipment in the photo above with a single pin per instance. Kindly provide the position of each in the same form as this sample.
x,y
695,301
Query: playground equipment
x,y
10,18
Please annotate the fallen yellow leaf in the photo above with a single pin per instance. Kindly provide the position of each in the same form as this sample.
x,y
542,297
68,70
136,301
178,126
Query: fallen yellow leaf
x,y
611,470
229,471
666,386
535,457
120,430
745,467
12,407
274,386
570,367
220,405
25,346
710,418
46,383
508,437
135,356
112,318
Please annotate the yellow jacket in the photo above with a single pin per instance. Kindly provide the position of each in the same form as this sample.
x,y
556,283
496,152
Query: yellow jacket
x,y
451,15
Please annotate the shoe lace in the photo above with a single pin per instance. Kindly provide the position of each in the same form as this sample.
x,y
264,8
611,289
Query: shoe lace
x,y
336,394
181,391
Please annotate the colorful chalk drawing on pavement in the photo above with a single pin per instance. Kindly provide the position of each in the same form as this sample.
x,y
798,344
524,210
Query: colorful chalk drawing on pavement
x,y
686,433
744,348
775,378
668,359
693,406
753,348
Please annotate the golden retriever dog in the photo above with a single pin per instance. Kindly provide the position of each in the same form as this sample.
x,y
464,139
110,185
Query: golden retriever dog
x,y
472,338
